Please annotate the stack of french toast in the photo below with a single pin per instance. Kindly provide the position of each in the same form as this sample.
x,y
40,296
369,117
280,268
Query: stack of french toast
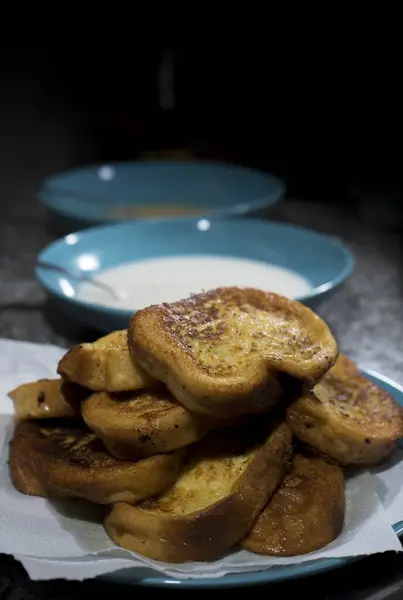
x,y
224,419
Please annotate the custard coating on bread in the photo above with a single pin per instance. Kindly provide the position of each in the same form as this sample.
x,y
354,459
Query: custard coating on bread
x,y
347,417
138,424
305,514
48,399
225,483
68,461
222,353
104,365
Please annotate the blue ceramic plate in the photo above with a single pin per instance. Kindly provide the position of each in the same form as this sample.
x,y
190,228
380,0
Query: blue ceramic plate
x,y
104,193
154,579
322,261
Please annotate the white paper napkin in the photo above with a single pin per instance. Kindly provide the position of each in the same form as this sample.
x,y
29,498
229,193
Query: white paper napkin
x,y
65,539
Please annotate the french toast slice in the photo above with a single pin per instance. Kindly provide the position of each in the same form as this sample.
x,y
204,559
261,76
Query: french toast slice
x,y
347,417
48,399
104,365
222,352
305,514
139,424
225,483
69,462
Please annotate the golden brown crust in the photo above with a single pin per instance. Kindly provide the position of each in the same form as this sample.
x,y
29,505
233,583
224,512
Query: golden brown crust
x,y
305,514
69,462
213,503
220,352
139,424
47,399
347,417
104,365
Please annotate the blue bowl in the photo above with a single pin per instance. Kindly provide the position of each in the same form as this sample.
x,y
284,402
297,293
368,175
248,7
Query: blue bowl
x,y
318,258
106,193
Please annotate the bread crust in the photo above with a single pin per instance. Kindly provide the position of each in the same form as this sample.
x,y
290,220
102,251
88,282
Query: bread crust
x,y
305,514
220,353
104,365
144,423
47,399
157,529
347,417
68,462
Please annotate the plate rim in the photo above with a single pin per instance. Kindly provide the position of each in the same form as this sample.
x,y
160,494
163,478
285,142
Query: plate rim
x,y
273,574
315,293
268,200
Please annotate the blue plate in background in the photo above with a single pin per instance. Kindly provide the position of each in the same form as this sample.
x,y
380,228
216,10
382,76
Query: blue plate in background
x,y
105,193
324,262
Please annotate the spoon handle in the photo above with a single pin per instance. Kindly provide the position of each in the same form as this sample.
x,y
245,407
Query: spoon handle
x,y
77,275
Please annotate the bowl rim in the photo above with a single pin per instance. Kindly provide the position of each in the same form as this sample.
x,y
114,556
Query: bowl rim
x,y
47,191
96,230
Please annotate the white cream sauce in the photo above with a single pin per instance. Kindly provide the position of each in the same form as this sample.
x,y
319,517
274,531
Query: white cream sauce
x,y
171,278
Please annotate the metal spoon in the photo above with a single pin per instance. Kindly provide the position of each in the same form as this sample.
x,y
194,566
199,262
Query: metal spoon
x,y
117,294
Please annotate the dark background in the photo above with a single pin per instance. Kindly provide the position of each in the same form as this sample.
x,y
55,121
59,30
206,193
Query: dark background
x,y
323,114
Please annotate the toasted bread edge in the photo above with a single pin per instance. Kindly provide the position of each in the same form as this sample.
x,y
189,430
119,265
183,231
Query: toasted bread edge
x,y
208,533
